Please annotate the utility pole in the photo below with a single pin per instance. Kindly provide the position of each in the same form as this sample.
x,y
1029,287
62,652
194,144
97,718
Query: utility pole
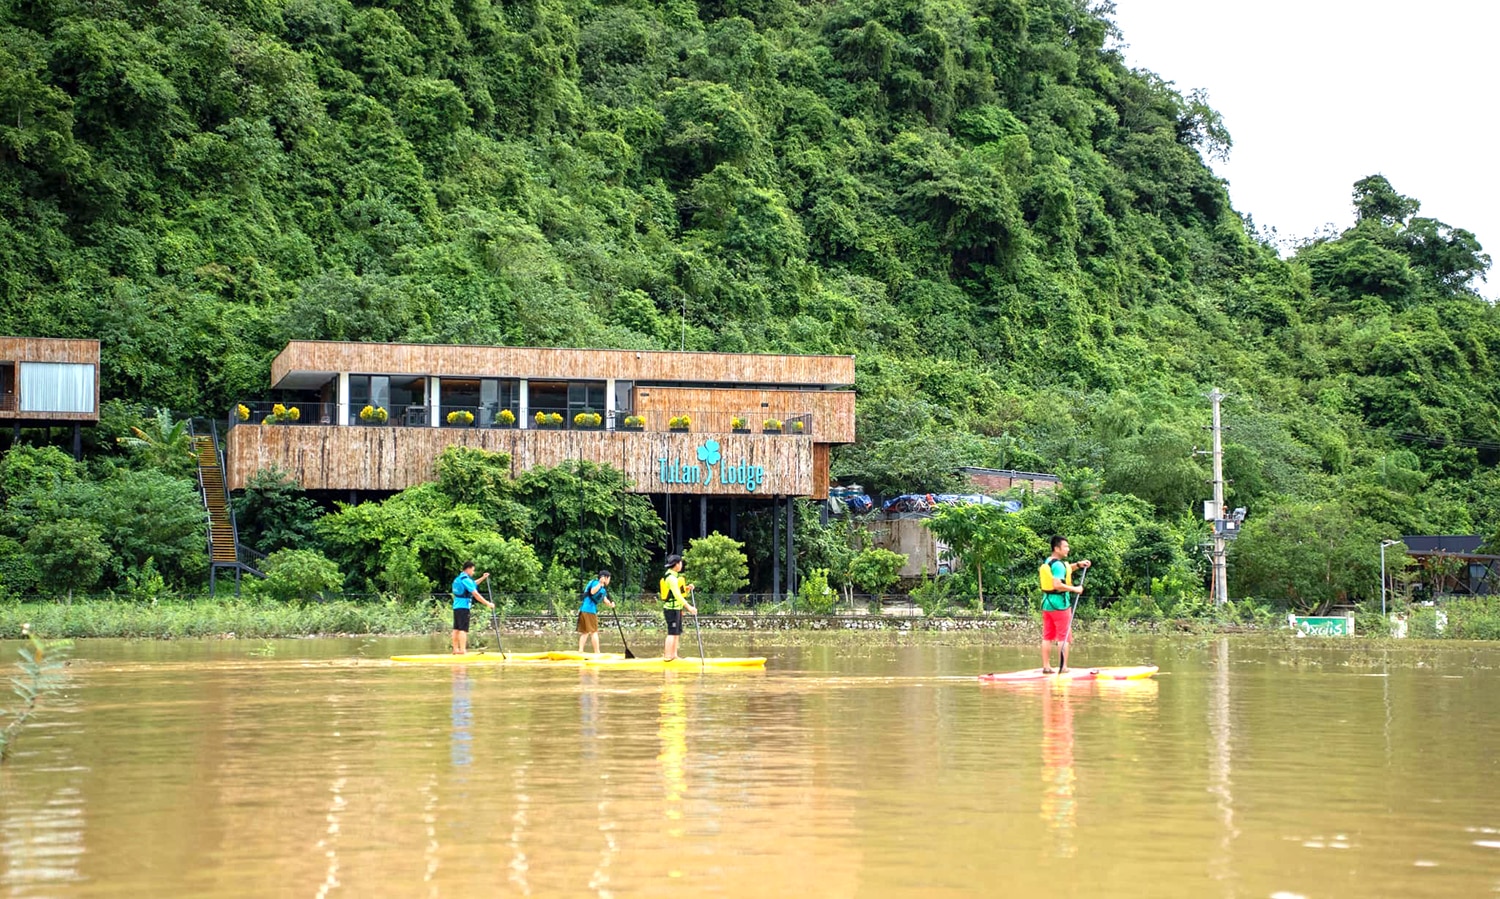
x,y
1221,567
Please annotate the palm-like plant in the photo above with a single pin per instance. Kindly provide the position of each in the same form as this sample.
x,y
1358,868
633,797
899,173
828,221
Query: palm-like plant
x,y
163,443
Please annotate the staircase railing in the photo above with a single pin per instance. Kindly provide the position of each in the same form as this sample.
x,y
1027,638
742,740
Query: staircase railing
x,y
208,514
239,549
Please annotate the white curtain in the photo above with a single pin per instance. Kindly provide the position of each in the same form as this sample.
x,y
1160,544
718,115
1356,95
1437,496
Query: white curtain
x,y
56,387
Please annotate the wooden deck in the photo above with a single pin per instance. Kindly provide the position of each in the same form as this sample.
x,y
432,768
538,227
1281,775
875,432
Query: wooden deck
x,y
389,458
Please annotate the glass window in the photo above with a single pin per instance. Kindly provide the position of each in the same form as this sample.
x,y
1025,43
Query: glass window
x,y
57,387
585,396
624,398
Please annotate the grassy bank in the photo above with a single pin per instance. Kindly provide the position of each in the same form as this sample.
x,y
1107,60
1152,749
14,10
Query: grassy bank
x,y
1470,619
237,618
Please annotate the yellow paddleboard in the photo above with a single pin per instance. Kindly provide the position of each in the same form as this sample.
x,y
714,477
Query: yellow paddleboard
x,y
473,658
568,655
683,664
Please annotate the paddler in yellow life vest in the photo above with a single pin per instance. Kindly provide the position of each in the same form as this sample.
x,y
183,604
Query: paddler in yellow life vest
x,y
1057,603
674,593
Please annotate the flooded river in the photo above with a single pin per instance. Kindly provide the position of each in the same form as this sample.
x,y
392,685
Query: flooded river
x,y
848,768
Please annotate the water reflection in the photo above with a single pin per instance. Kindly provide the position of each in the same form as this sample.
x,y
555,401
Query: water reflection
x,y
1220,737
1059,778
672,732
589,730
41,843
850,774
461,716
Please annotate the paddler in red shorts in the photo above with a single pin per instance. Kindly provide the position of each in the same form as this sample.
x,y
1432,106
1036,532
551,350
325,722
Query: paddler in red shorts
x,y
1057,603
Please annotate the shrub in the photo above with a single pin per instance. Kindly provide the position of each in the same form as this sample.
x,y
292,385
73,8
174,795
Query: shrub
x,y
935,596
716,565
737,423
1474,619
460,417
588,419
771,424
876,570
816,595
513,565
299,575
506,417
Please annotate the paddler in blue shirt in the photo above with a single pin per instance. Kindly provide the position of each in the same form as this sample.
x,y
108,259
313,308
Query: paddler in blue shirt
x,y
588,612
465,590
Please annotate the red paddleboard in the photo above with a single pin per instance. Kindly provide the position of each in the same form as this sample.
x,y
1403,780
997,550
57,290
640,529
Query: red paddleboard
x,y
1076,674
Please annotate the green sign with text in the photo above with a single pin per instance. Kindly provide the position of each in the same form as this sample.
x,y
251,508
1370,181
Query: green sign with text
x,y
1322,625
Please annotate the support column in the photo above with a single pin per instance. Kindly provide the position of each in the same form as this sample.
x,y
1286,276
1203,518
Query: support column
x,y
435,400
776,548
341,410
523,419
703,515
77,443
734,519
791,545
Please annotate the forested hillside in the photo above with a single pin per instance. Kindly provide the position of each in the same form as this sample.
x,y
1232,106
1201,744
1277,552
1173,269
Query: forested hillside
x,y
1016,234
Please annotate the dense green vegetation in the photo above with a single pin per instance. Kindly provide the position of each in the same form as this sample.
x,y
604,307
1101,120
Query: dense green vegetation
x,y
1016,234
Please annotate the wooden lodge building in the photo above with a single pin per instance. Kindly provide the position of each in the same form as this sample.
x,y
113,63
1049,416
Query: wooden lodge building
x,y
46,383
703,434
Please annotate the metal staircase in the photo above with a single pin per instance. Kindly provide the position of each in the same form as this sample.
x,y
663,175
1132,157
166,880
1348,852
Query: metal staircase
x,y
224,549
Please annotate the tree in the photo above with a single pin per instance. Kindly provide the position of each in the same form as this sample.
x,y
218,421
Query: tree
x,y
716,565
274,513
513,566
470,476
985,535
876,570
298,575
163,444
1309,556
70,553
1375,200
405,544
583,517
25,468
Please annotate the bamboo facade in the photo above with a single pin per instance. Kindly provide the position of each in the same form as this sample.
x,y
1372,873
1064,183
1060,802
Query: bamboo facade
x,y
17,350
330,457
450,361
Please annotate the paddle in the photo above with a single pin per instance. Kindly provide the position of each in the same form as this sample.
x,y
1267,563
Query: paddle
x,y
616,613
702,656
495,619
1068,634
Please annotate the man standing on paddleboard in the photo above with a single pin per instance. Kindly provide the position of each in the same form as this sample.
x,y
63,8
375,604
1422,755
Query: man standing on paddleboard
x,y
674,591
1057,603
588,613
465,590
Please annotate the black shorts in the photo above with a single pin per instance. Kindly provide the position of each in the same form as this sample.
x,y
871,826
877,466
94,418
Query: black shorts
x,y
674,621
461,619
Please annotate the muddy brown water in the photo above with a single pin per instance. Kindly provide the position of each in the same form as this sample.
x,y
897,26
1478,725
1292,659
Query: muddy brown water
x,y
881,768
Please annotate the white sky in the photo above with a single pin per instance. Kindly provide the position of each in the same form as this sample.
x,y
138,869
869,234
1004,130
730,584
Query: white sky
x,y
1319,93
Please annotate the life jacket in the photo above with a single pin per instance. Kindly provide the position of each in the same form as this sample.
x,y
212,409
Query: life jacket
x,y
1044,576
